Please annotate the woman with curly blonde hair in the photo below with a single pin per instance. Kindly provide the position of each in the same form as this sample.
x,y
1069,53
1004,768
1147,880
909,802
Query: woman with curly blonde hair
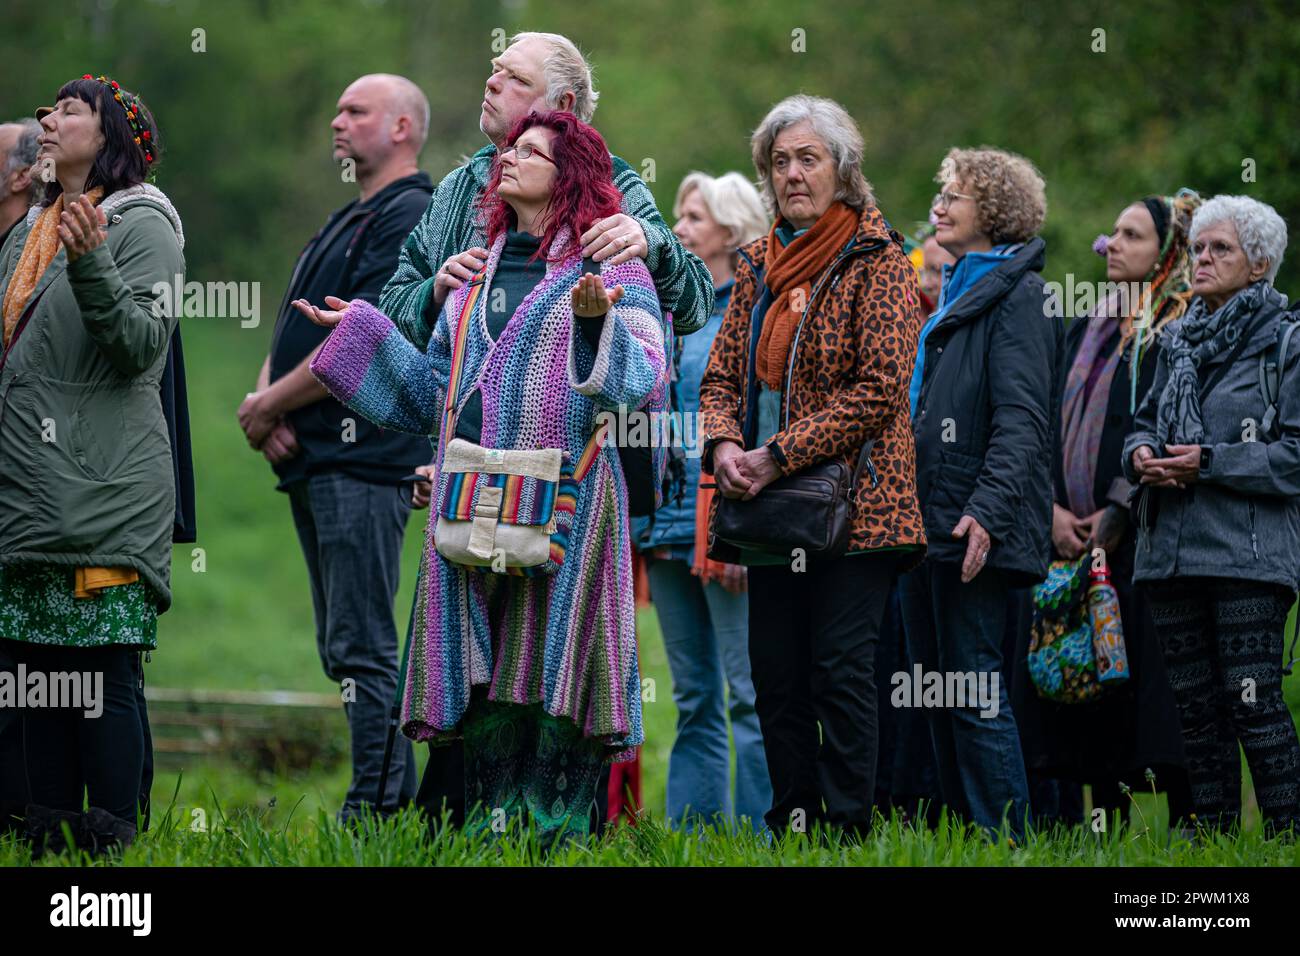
x,y
983,424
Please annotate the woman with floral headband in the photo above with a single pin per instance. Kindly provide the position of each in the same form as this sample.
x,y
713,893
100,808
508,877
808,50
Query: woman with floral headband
x,y
87,490
1107,364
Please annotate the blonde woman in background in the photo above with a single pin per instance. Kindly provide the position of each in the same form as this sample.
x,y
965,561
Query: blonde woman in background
x,y
702,606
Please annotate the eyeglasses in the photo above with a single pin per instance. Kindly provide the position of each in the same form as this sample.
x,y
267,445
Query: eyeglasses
x,y
1218,249
947,198
523,152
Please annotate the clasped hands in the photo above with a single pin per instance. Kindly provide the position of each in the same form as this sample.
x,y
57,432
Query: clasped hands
x,y
1181,466
743,474
267,431
1104,529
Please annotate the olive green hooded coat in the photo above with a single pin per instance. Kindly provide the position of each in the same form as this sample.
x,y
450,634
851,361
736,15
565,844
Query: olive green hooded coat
x,y
85,461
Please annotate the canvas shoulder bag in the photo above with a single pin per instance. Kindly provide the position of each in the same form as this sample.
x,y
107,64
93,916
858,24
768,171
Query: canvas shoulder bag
x,y
505,511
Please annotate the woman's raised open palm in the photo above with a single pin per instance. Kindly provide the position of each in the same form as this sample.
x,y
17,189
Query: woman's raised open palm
x,y
327,317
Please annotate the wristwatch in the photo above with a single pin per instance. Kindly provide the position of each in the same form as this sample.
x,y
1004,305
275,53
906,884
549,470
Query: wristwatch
x,y
1207,457
778,455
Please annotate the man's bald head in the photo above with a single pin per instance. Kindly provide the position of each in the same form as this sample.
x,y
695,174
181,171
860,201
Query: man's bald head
x,y
405,99
380,114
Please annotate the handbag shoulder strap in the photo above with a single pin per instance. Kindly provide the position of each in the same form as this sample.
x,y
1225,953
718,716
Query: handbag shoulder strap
x,y
1270,374
460,335
864,461
583,465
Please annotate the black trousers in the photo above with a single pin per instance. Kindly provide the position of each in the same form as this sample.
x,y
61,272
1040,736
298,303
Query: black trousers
x,y
812,647
71,758
14,795
443,784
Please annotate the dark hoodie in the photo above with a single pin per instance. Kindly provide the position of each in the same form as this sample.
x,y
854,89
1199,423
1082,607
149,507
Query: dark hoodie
x,y
351,257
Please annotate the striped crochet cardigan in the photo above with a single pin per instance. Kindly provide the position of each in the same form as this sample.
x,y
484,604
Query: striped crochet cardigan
x,y
449,226
567,640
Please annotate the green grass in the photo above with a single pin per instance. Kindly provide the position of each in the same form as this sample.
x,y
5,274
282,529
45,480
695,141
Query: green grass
x,y
288,834
245,622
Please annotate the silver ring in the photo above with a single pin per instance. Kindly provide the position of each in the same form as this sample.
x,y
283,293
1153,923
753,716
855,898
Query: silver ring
x,y
622,242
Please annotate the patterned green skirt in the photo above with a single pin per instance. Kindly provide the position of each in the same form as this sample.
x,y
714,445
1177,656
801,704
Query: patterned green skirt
x,y
522,762
37,605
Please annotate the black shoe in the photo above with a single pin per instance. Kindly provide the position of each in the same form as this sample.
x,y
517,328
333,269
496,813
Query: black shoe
x,y
102,832
45,829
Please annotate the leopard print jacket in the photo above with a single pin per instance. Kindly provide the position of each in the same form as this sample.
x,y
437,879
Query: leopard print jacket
x,y
852,366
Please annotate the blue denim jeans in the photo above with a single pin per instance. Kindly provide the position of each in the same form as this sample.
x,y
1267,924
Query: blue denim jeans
x,y
351,535
954,627
706,634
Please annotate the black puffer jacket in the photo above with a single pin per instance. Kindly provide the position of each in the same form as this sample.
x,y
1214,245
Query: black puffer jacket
x,y
985,420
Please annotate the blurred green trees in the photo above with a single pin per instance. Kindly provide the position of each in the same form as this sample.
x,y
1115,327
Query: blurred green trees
x,y
1184,94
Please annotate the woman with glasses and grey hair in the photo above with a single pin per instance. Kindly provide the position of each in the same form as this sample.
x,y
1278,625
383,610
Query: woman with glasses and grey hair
x,y
1216,455
811,364
701,603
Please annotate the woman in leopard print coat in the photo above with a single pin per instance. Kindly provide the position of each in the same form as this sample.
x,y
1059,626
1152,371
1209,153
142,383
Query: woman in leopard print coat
x,y
813,359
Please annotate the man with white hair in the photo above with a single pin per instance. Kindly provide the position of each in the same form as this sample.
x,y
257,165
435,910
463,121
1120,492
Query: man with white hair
x,y
345,476
18,187
539,71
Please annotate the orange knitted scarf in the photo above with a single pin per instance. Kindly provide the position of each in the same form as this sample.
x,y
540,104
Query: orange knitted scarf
x,y
39,249
790,274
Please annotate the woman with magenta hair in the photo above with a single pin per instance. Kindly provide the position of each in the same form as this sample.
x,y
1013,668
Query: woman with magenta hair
x,y
537,671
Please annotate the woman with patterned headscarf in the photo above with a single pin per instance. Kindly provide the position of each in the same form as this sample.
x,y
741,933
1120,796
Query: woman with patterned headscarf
x,y
1108,363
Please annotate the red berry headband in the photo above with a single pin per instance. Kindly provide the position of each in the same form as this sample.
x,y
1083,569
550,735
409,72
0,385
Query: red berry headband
x,y
130,106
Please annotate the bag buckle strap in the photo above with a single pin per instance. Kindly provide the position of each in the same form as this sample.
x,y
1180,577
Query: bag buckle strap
x,y
483,527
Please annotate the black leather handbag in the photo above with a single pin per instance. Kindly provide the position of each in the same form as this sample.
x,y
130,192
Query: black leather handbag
x,y
809,510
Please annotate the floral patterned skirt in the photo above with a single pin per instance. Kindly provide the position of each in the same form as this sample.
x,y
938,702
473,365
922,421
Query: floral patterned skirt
x,y
37,605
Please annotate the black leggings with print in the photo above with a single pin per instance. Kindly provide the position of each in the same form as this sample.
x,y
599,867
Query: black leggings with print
x,y
1222,640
